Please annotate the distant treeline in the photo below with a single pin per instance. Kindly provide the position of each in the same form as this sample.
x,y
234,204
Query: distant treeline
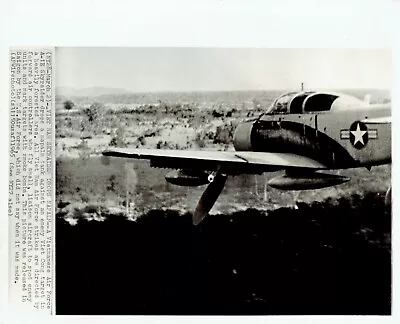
x,y
207,96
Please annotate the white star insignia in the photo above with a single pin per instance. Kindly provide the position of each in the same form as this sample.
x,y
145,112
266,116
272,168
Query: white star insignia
x,y
358,135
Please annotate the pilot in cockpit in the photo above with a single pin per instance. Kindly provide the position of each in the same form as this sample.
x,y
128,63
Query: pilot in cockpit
x,y
281,105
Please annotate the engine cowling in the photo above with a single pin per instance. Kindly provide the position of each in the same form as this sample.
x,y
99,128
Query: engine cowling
x,y
242,136
188,178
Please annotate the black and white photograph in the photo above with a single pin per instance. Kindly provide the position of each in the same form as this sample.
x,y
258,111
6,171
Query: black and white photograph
x,y
223,181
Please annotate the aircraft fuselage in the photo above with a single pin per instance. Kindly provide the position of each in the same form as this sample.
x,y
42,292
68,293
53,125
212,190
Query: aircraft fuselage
x,y
338,139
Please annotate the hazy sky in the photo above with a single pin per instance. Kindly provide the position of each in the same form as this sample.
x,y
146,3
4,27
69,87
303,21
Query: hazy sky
x,y
202,69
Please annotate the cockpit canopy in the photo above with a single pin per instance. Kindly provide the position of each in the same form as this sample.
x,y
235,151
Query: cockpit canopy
x,y
311,102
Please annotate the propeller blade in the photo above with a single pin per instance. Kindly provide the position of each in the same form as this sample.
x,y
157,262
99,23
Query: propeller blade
x,y
208,198
388,201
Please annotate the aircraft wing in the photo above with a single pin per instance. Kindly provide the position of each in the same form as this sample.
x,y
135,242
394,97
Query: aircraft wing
x,y
229,162
378,120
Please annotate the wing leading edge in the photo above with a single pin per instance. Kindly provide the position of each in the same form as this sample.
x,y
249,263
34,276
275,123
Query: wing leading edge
x,y
229,162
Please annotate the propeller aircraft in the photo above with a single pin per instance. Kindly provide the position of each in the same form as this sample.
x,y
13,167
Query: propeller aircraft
x,y
305,133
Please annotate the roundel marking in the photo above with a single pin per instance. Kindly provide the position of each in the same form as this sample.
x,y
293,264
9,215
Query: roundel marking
x,y
359,135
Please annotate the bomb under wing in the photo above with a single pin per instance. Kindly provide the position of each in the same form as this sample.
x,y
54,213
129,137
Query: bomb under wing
x,y
188,178
306,181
